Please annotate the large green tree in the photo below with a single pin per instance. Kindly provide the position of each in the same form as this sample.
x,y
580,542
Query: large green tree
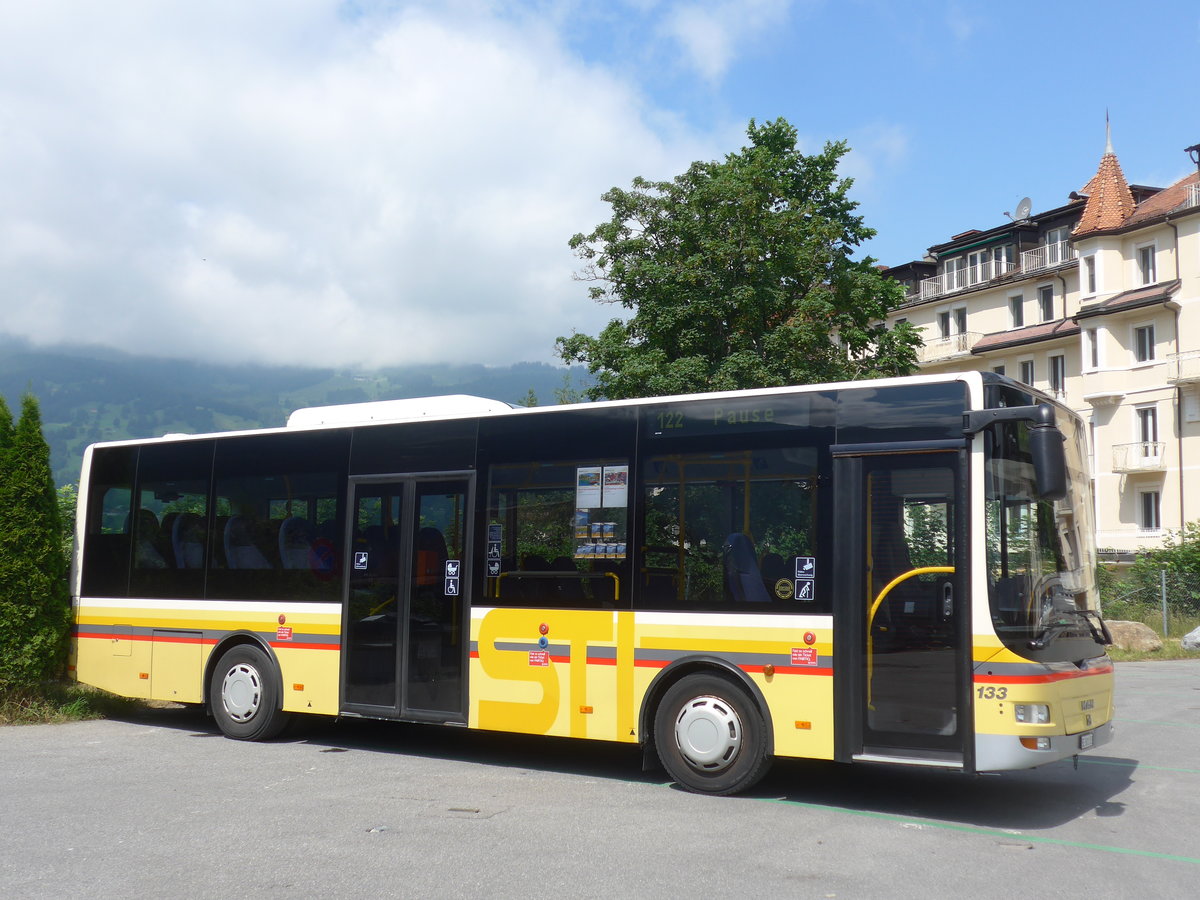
x,y
738,274
34,600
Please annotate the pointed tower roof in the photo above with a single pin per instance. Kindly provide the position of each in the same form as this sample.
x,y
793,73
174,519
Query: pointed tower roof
x,y
1110,202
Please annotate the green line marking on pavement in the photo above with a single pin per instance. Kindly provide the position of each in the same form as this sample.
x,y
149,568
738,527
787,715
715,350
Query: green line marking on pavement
x,y
987,832
1092,761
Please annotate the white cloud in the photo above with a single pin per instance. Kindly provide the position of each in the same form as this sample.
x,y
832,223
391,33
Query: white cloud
x,y
961,23
876,152
283,182
712,33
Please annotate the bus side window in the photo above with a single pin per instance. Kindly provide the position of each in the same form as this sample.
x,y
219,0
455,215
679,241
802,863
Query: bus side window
x,y
731,530
561,534
109,528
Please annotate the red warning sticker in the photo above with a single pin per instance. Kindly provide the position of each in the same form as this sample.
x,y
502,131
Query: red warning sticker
x,y
283,633
539,657
804,656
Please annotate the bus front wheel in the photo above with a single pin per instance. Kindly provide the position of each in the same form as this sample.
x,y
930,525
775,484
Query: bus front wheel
x,y
243,695
711,736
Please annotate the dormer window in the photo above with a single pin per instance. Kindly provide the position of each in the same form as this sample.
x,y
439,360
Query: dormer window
x,y
1056,245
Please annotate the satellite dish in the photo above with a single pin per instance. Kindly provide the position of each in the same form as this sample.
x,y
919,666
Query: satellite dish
x,y
1024,208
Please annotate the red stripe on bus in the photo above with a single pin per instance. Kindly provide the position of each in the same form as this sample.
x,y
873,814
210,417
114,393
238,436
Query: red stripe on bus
x,y
202,641
1040,679
663,663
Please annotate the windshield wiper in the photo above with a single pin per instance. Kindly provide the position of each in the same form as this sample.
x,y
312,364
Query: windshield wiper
x,y
1100,635
1053,630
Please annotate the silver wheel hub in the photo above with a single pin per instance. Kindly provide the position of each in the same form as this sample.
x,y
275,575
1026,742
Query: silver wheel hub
x,y
241,692
708,733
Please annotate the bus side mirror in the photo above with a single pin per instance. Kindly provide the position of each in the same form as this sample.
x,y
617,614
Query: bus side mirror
x,y
1047,451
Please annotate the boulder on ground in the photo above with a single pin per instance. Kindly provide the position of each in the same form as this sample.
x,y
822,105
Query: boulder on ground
x,y
1134,636
1191,640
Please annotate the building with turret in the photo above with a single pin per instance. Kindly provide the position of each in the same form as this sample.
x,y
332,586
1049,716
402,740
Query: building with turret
x,y
1096,301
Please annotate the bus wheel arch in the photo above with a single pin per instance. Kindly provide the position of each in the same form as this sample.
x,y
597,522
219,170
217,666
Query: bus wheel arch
x,y
709,725
244,689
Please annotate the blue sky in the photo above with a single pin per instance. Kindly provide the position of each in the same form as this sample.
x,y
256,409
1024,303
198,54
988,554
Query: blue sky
x,y
379,183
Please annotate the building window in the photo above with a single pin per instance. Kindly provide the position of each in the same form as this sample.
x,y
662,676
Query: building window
x,y
1027,371
1089,274
1145,263
1147,425
1150,510
1143,343
1016,305
943,319
1058,373
1091,348
1046,302
954,273
999,370
1056,245
1003,259
960,320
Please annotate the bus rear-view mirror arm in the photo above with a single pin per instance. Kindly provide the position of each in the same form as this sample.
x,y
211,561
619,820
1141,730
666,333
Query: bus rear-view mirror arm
x,y
1045,442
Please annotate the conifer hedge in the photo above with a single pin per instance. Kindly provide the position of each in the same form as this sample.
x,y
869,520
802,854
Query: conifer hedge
x,y
34,599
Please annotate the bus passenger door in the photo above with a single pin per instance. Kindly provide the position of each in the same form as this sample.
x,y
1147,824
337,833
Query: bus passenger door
x,y
902,625
404,651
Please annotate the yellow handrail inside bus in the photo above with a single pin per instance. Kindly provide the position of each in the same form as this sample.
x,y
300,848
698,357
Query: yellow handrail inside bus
x,y
923,570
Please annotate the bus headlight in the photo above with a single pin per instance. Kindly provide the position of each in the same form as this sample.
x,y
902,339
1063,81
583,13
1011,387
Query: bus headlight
x,y
1031,713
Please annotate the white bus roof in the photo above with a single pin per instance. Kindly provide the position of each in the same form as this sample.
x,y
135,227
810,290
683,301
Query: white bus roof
x,y
450,406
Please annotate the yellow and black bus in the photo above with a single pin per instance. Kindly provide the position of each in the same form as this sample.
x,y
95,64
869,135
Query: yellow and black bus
x,y
898,570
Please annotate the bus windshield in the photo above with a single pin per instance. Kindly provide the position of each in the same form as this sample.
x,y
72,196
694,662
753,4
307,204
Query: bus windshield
x,y
1041,562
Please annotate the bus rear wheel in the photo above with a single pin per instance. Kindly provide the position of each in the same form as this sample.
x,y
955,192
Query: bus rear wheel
x,y
243,695
711,736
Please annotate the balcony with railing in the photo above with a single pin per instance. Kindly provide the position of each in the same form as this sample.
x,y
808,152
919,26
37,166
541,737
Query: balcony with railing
x,y
1048,256
1183,368
1143,456
1193,196
949,347
954,280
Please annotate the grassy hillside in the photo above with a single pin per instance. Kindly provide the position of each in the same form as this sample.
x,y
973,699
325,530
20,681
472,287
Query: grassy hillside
x,y
92,394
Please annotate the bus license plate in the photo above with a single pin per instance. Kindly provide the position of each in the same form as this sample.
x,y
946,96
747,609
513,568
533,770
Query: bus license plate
x,y
1086,740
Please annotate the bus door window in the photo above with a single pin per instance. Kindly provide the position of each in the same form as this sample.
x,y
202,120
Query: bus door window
x,y
437,584
374,584
911,663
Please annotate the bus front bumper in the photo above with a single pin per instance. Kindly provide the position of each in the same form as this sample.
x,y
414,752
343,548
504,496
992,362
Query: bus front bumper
x,y
1005,752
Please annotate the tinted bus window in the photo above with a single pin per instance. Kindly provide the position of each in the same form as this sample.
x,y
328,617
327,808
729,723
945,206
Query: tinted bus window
x,y
278,516
558,534
109,527
170,519
732,530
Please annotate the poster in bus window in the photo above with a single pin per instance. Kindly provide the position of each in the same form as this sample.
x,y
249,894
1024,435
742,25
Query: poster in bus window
x,y
588,486
616,486
581,524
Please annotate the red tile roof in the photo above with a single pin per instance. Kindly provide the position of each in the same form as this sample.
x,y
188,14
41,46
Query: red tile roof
x,y
1032,334
1110,202
1164,201
1132,299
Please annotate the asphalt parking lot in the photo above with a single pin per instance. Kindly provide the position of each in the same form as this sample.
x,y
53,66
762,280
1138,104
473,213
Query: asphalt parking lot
x,y
160,804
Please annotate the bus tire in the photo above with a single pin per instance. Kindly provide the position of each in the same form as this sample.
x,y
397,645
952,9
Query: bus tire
x,y
243,695
711,736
